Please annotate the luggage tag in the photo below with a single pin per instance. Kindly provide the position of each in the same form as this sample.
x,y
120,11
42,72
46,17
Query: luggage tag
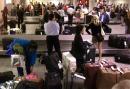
x,y
60,65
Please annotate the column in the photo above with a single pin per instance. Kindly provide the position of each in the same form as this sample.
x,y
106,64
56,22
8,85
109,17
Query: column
x,y
92,3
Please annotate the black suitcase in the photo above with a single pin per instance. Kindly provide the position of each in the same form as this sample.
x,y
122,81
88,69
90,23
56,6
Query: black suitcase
x,y
12,23
123,57
122,42
74,81
69,30
112,42
53,81
39,32
90,52
6,76
27,85
6,42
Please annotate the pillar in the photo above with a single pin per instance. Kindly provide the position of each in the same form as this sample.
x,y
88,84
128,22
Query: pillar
x,y
92,3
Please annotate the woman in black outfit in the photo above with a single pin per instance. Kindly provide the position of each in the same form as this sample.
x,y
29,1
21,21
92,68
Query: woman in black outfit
x,y
78,49
97,38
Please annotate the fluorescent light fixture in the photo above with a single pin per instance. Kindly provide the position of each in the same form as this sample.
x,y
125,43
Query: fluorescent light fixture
x,y
8,1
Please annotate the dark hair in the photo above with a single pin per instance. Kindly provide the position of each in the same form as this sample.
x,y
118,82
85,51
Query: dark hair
x,y
51,16
79,28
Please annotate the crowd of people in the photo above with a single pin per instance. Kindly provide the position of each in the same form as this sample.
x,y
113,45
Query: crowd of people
x,y
53,19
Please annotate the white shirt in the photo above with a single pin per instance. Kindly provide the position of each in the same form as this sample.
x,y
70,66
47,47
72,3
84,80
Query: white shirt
x,y
61,12
51,28
70,10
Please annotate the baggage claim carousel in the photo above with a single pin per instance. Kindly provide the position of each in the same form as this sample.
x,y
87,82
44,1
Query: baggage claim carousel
x,y
65,40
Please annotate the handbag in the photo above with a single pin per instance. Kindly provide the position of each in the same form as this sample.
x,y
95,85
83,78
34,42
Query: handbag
x,y
53,79
17,60
102,31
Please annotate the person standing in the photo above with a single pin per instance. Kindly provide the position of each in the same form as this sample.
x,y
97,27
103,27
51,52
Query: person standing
x,y
104,17
4,15
20,15
52,31
78,48
97,37
70,12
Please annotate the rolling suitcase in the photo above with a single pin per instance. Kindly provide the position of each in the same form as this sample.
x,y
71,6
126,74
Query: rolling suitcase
x,y
106,78
112,40
123,57
75,81
91,72
122,42
69,30
53,81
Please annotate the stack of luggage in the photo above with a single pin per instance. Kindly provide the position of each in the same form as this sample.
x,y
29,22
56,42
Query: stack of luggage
x,y
55,72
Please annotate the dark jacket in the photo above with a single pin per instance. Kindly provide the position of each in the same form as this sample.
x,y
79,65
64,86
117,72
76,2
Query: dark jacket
x,y
95,29
105,18
78,49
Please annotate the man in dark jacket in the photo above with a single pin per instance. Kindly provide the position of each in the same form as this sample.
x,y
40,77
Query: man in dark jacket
x,y
104,16
20,15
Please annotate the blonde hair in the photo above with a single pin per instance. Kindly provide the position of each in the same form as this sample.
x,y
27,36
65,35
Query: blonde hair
x,y
95,20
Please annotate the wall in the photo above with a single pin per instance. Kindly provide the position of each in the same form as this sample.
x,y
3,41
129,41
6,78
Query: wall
x,y
45,1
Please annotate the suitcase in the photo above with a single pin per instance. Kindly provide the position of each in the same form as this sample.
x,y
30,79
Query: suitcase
x,y
75,81
111,76
6,76
12,24
6,42
106,78
69,62
90,52
39,32
91,71
112,40
69,30
53,81
122,42
26,84
69,67
123,57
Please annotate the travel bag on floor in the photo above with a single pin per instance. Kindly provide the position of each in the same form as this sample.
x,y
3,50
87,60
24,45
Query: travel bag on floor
x,y
106,78
112,40
123,57
6,76
69,30
53,81
91,71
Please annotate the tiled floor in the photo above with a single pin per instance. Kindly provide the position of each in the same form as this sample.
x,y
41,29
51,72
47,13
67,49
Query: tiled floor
x,y
5,65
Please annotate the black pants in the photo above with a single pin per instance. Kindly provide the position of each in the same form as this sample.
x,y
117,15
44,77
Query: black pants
x,y
53,41
28,69
70,19
20,21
